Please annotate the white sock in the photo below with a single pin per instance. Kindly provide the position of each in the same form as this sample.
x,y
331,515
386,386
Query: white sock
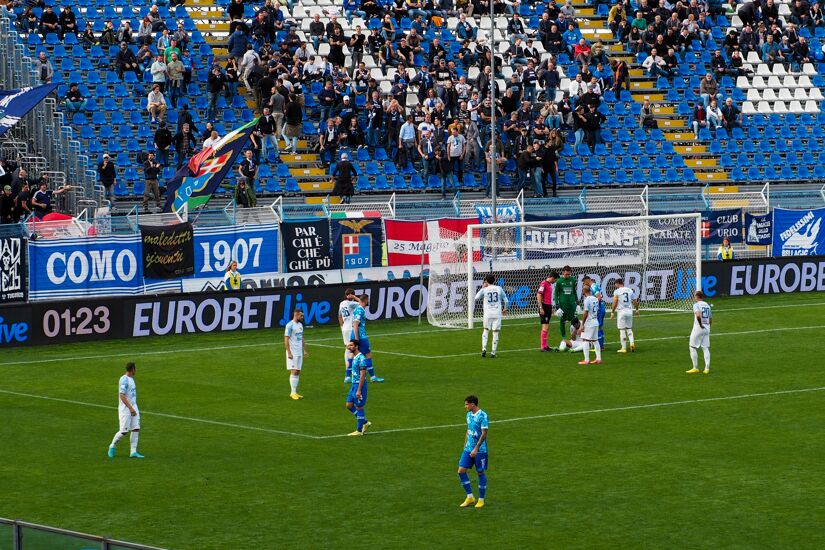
x,y
586,350
630,336
133,439
293,382
495,340
623,338
707,358
694,357
118,436
484,340
346,358
598,350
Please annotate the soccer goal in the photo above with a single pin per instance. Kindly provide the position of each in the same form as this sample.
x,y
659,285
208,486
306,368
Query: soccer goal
x,y
658,256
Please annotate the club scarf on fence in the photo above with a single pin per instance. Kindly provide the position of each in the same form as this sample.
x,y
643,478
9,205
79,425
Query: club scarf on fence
x,y
168,251
436,239
15,104
195,182
356,243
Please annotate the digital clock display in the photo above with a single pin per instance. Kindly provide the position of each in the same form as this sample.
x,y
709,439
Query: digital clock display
x,y
83,321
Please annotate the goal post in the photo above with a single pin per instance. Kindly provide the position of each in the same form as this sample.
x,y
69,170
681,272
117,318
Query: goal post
x,y
659,256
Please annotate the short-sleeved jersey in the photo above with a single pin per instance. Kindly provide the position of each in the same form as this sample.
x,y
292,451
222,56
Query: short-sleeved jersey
x,y
475,423
345,310
295,332
359,362
702,309
591,306
495,300
546,291
126,386
360,315
565,292
596,290
625,295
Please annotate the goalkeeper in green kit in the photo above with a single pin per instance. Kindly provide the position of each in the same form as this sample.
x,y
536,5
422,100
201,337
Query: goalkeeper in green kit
x,y
566,299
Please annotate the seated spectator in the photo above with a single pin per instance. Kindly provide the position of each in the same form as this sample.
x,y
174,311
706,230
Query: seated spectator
x,y
109,35
731,115
699,119
156,104
74,102
655,65
709,89
67,21
145,33
715,117
647,119
769,52
125,33
125,60
88,37
49,22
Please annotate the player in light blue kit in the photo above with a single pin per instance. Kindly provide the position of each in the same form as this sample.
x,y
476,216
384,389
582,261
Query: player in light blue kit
x,y
475,453
359,334
596,289
357,397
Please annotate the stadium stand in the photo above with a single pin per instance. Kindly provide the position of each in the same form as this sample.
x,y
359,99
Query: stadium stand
x,y
642,93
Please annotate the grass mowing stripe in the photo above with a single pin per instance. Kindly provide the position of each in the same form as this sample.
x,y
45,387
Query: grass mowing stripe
x,y
597,411
164,415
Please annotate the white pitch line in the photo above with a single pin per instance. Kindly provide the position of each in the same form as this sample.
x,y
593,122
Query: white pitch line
x,y
593,411
411,332
164,415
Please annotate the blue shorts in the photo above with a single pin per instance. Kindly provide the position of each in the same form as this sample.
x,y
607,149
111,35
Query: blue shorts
x,y
479,462
351,395
364,347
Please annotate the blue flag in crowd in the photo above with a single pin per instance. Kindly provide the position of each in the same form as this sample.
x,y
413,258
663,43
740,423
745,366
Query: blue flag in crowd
x,y
15,104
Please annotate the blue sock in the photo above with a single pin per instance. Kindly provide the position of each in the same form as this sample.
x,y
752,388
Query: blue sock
x,y
601,338
351,409
370,369
482,485
465,482
348,372
360,419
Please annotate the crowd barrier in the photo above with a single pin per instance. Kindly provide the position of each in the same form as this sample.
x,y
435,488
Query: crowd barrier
x,y
91,319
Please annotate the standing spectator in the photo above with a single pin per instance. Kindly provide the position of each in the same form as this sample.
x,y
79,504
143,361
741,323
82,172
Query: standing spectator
x,y
125,60
328,142
107,172
245,194
237,43
214,88
162,142
293,116
456,148
74,102
7,205
151,171
44,68
158,70
42,198
156,104
266,129
23,206
406,142
248,169
174,69
185,144
343,174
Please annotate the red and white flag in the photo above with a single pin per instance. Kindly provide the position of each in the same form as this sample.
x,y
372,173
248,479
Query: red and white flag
x,y
436,239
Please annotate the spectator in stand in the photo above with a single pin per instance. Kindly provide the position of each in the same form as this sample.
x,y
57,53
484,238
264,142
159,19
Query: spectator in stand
x,y
158,71
699,119
42,199
715,117
174,72
593,127
647,119
749,13
267,132
212,139
74,102
88,37
214,89
293,118
456,149
145,32
163,141
156,104
67,22
151,172
731,115
237,44
709,89
125,32
801,53
185,144
245,194
49,22
329,139
769,51
125,60
7,206
248,169
107,173
109,35
44,69
655,65
343,174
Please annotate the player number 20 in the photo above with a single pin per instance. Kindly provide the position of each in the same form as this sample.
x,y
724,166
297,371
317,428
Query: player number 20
x,y
240,251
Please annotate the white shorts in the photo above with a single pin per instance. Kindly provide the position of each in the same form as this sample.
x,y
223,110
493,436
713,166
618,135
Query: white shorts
x,y
700,338
129,422
492,323
624,319
346,333
295,363
591,330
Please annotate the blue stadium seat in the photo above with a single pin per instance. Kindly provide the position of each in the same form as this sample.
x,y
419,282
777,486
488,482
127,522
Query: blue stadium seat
x,y
390,169
292,186
381,183
754,174
787,172
804,173
283,171
587,177
399,183
371,169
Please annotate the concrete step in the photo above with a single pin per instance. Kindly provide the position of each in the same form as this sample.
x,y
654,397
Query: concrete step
x,y
653,97
307,172
205,26
672,123
300,158
690,149
315,186
713,176
679,136
663,110
701,162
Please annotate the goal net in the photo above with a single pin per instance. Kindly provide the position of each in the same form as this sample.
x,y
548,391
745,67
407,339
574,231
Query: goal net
x,y
657,256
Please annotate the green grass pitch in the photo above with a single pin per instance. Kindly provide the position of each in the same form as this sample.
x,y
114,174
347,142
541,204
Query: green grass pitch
x,y
632,453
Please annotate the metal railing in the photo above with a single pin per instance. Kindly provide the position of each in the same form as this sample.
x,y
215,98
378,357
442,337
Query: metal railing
x,y
22,535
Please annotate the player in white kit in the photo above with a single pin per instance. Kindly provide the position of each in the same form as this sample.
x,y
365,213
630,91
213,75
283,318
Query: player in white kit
x,y
128,412
624,304
700,335
590,336
495,305
295,351
345,310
